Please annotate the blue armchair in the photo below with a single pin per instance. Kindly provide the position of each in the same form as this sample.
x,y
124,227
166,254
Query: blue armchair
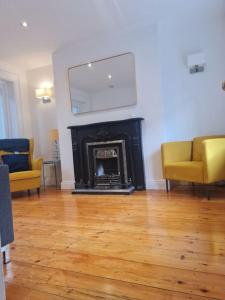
x,y
6,220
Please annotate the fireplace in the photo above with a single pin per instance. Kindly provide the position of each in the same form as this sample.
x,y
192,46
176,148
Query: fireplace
x,y
108,157
107,164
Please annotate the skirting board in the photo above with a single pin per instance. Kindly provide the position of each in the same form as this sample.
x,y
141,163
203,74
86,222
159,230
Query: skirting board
x,y
150,185
156,184
67,185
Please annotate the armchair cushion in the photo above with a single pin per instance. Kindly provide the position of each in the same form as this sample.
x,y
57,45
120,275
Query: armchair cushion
x,y
16,162
187,171
14,145
25,175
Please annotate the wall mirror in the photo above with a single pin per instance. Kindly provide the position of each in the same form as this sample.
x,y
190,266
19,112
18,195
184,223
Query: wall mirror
x,y
104,84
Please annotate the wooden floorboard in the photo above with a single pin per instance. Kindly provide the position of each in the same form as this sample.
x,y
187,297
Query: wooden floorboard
x,y
148,245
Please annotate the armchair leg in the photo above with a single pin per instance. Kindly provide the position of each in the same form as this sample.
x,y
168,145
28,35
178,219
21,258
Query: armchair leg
x,y
6,257
207,192
193,187
28,192
38,191
167,186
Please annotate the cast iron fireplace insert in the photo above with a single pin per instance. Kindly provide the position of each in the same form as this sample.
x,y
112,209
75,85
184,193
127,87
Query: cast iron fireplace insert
x,y
107,165
108,157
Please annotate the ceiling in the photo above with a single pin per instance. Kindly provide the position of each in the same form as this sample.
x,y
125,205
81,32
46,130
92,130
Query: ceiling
x,y
54,23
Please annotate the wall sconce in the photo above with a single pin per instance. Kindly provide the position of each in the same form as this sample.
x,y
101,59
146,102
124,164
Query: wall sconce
x,y
196,62
44,94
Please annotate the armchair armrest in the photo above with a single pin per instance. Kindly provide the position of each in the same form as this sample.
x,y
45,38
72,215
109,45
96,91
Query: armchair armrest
x,y
214,160
37,164
175,152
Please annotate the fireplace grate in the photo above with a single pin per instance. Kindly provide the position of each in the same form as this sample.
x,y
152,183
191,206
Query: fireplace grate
x,y
107,181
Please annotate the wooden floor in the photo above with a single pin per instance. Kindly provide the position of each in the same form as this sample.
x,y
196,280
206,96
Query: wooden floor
x,y
147,246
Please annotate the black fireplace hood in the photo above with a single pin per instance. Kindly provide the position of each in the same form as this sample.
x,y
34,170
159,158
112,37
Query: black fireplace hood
x,y
128,131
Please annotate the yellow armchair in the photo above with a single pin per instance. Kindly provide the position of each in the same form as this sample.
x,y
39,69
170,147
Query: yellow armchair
x,y
214,160
27,180
199,161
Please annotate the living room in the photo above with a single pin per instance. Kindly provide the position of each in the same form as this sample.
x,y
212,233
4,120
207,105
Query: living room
x,y
112,137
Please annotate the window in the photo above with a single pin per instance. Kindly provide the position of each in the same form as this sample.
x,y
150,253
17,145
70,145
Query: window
x,y
8,111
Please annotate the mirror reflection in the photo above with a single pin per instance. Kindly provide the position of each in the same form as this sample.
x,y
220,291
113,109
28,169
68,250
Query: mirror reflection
x,y
101,85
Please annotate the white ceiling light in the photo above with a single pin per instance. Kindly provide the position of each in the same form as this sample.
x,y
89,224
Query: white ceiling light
x,y
89,65
110,76
24,24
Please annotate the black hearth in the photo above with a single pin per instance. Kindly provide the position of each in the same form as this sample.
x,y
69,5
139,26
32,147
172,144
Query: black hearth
x,y
108,157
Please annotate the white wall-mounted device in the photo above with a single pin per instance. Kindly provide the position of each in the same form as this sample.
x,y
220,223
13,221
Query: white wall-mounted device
x,y
196,62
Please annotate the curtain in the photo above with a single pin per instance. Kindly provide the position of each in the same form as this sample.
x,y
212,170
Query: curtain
x,y
3,114
8,111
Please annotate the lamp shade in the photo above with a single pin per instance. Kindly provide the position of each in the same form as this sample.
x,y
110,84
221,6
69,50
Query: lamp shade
x,y
54,135
43,93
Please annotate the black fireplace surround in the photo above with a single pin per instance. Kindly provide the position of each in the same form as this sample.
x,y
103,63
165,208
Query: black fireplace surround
x,y
108,157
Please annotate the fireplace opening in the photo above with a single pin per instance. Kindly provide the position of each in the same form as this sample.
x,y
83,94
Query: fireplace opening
x,y
106,161
107,165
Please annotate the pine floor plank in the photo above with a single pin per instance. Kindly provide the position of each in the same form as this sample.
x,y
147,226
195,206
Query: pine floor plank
x,y
149,245
80,286
18,292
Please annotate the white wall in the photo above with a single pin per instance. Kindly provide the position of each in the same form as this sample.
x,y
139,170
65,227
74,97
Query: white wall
x,y
194,104
175,104
43,117
144,45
